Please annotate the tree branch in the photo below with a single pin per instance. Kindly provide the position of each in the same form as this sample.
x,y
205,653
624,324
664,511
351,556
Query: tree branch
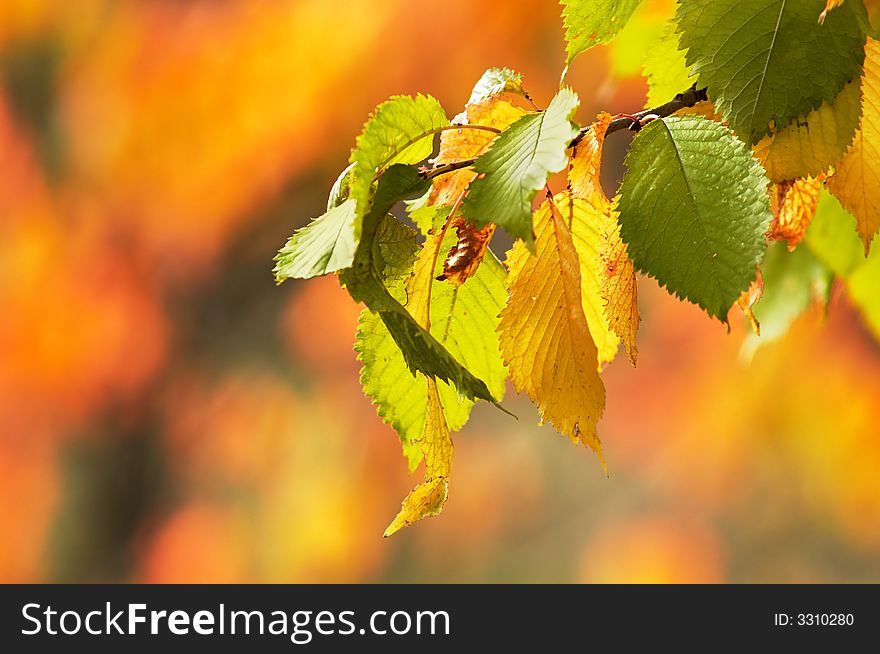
x,y
633,122
636,121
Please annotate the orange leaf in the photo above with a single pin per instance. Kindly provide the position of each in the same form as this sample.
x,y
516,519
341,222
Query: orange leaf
x,y
797,203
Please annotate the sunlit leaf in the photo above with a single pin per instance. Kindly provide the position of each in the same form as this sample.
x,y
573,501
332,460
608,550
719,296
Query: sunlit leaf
x,y
461,144
589,22
325,245
809,145
694,210
545,338
496,81
401,130
428,498
668,74
463,319
856,181
364,282
609,280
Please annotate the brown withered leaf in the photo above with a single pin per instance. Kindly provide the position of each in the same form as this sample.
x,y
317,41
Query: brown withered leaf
x,y
464,259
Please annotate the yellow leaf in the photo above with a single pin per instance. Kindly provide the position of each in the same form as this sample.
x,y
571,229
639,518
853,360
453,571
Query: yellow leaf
x,y
545,339
586,164
428,498
810,144
589,228
856,181
619,290
797,202
609,262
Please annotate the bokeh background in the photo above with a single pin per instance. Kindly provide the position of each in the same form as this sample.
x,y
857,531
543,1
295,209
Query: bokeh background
x,y
167,414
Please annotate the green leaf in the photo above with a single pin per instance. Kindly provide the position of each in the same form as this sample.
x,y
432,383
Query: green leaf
x,y
589,22
518,164
766,62
665,68
341,188
427,217
365,283
325,245
832,237
694,209
465,320
628,50
384,371
494,82
793,282
401,130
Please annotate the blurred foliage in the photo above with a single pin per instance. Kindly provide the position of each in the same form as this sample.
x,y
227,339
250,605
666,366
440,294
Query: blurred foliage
x,y
168,414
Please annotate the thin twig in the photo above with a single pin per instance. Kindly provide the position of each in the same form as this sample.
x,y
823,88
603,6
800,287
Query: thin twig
x,y
431,173
633,122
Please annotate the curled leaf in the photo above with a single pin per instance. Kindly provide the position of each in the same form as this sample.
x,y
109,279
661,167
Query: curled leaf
x,y
496,81
428,498
466,255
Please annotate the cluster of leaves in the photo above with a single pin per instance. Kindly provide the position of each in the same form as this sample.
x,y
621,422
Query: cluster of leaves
x,y
772,99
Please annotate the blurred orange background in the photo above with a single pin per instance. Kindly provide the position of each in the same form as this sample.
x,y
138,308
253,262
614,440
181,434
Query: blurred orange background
x,y
168,414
